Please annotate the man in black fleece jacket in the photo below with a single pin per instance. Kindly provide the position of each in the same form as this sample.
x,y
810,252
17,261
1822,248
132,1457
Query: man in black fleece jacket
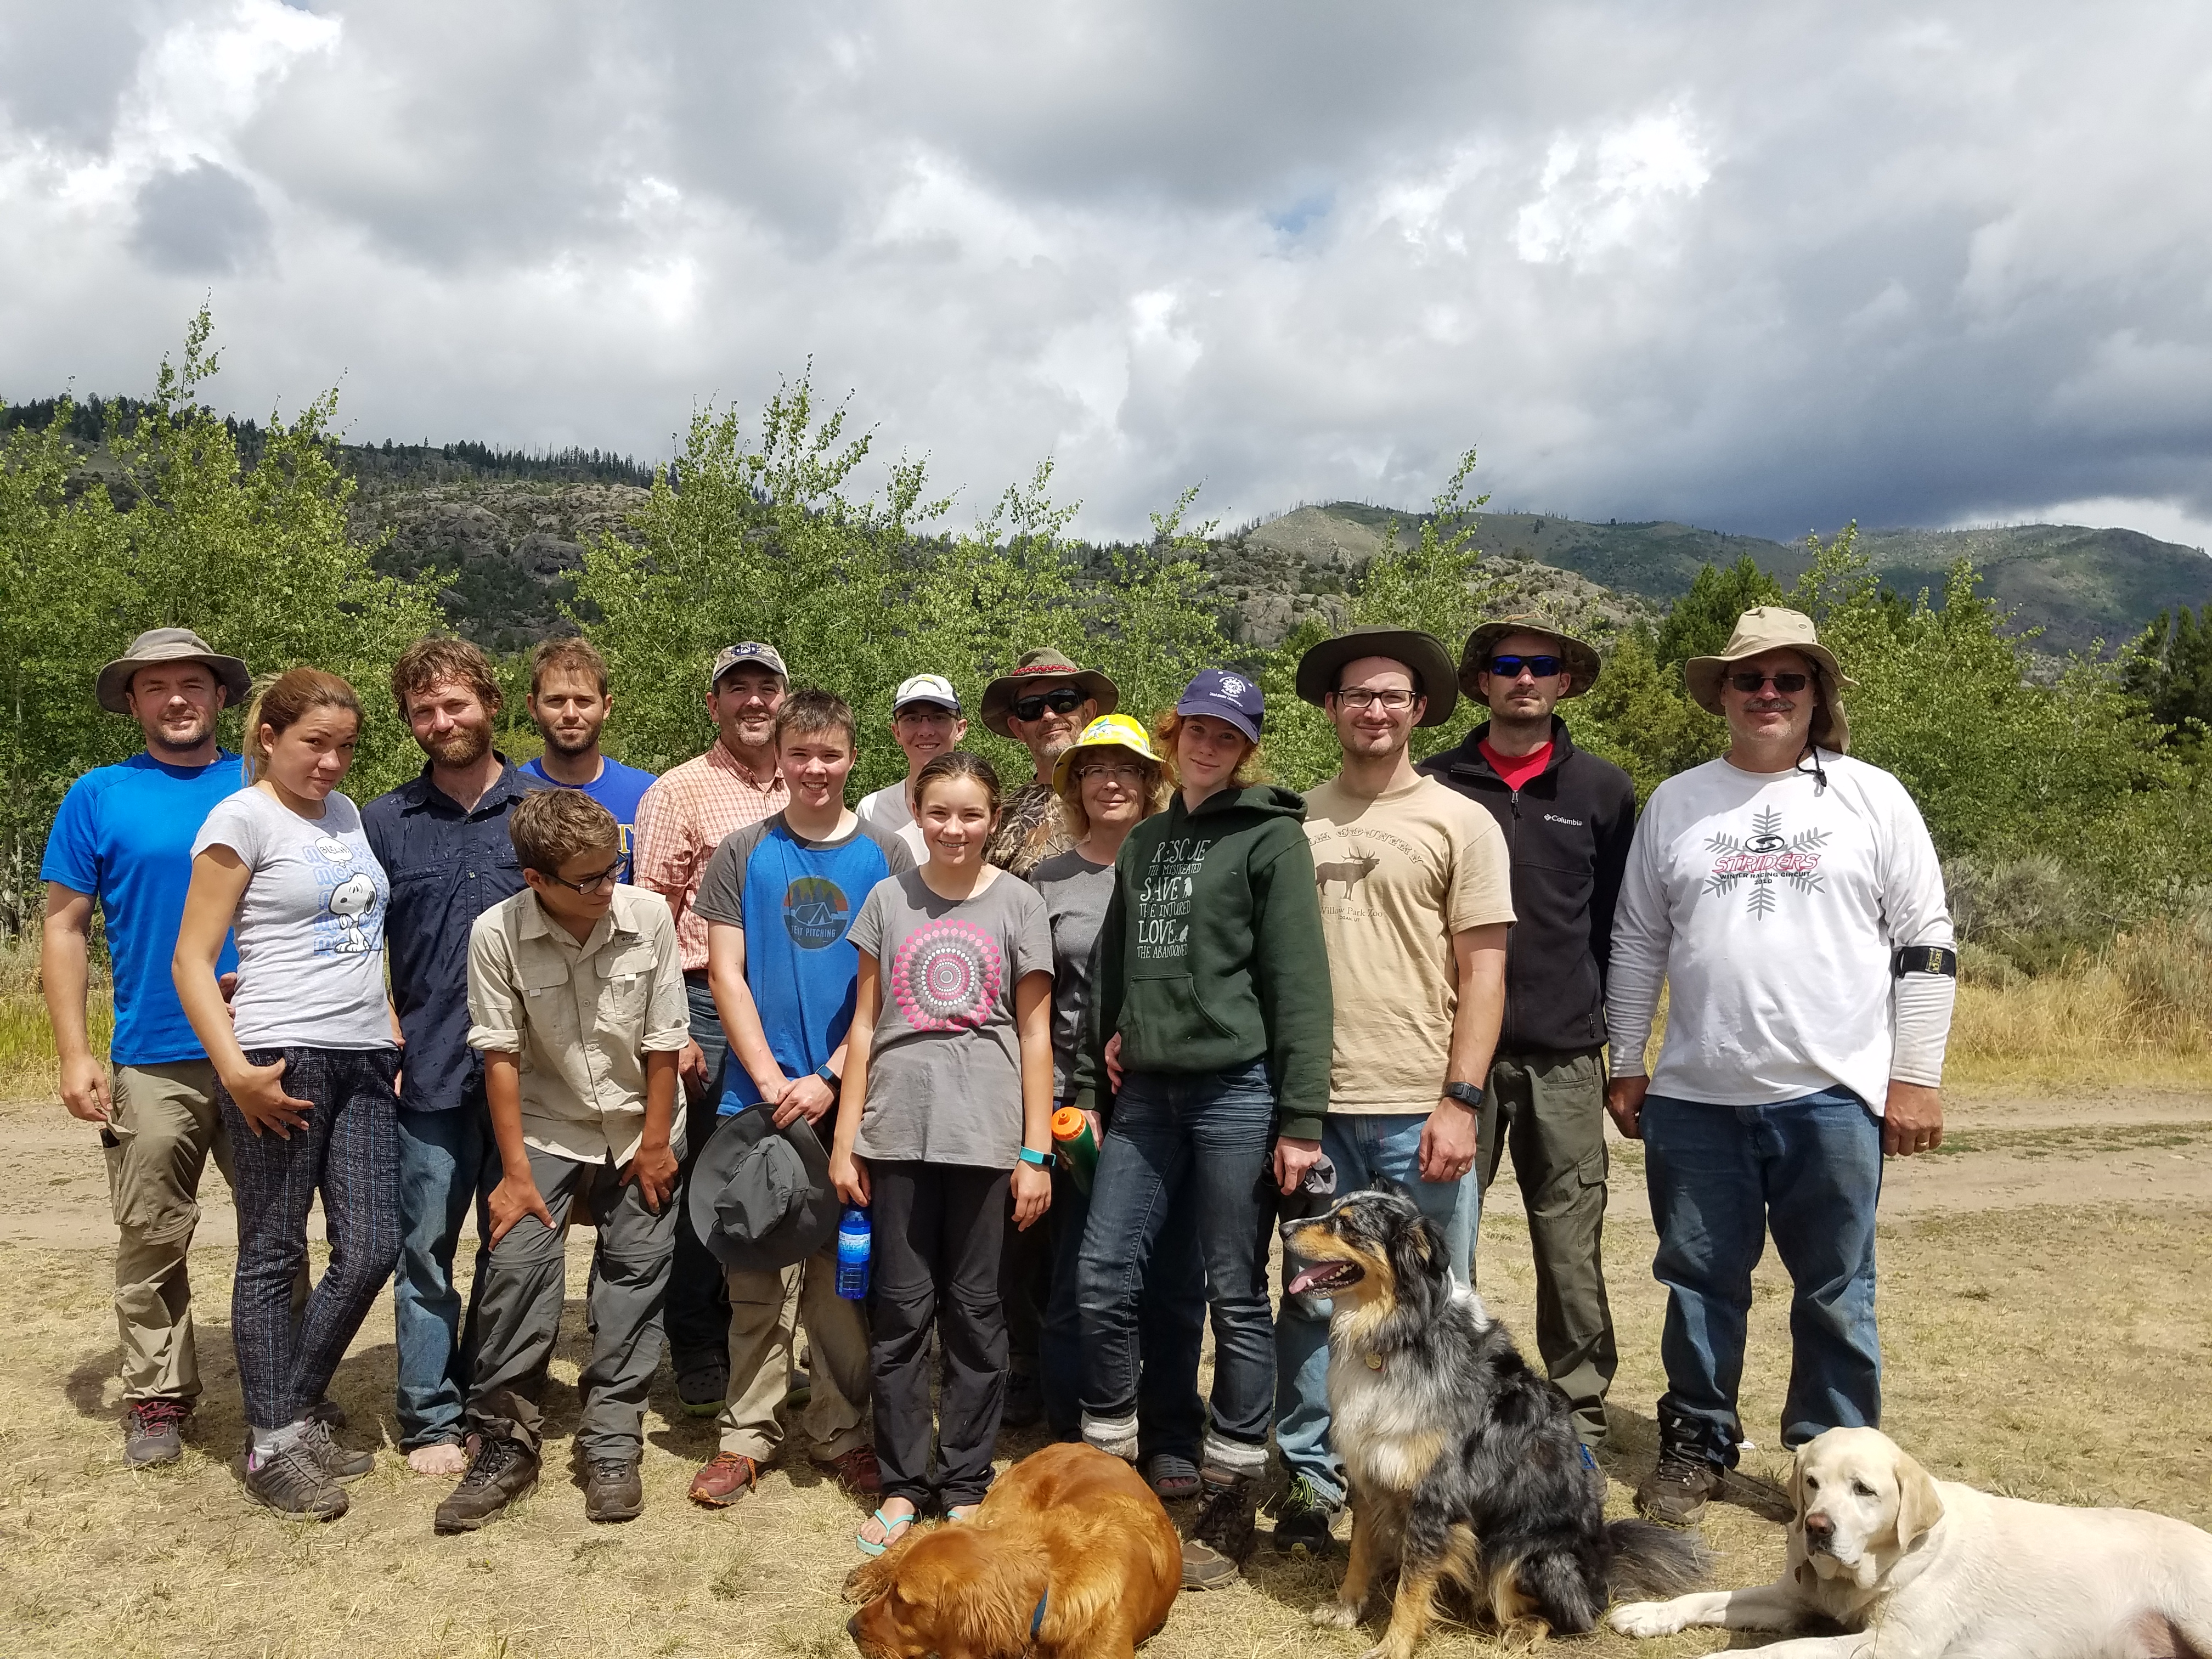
x,y
1568,817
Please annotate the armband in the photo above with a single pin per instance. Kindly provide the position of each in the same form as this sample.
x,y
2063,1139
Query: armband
x,y
1042,1160
1924,960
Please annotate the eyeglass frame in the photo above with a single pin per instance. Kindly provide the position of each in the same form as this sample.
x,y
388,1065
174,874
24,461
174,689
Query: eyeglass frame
x,y
1128,773
1361,696
1735,678
1497,666
607,878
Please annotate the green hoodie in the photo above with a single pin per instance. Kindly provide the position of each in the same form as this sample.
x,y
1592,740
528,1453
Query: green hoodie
x,y
1212,954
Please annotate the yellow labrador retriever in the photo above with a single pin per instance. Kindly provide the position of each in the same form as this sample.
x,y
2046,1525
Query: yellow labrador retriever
x,y
1934,1569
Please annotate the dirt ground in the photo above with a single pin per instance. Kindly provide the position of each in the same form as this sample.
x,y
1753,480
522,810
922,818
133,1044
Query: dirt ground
x,y
2046,1307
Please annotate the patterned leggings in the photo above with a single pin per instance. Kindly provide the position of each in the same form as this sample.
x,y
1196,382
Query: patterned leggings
x,y
349,1150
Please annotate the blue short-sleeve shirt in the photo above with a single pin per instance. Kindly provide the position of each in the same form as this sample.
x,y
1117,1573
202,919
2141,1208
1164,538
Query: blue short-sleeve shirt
x,y
619,788
124,835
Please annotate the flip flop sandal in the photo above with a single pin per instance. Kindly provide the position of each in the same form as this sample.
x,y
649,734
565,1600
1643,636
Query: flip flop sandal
x,y
890,1524
1170,1477
961,1512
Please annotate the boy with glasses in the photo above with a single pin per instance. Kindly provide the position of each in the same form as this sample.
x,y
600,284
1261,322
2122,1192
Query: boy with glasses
x,y
926,723
576,1003
1568,817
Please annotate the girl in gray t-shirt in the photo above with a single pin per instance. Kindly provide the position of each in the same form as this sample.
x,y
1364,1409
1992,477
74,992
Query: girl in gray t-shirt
x,y
304,1078
945,1106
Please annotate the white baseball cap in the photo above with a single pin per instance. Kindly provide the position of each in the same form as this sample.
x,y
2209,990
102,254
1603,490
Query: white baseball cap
x,y
926,688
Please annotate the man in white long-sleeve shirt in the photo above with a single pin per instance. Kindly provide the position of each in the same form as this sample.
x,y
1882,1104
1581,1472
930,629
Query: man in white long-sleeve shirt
x,y
1790,898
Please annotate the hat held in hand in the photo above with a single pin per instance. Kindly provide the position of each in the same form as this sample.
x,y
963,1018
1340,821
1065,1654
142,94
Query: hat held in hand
x,y
761,1196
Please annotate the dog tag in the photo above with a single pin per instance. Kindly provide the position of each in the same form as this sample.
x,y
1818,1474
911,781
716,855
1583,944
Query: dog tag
x,y
1374,1362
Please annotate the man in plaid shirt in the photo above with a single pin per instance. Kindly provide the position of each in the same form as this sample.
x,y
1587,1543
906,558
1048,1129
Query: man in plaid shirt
x,y
680,822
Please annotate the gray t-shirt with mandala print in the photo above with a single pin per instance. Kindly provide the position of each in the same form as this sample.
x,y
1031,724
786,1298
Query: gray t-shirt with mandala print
x,y
944,1073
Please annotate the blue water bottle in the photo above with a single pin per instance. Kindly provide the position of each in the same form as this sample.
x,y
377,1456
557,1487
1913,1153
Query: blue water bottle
x,y
853,1245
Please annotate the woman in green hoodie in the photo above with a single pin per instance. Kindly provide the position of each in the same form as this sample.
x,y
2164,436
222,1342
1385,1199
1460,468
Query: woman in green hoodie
x,y
1213,1027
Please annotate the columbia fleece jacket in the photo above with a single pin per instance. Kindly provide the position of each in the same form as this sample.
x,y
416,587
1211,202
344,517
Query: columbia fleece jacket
x,y
1212,956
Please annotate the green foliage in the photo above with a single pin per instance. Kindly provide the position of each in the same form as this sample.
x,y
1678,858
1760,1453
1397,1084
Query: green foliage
x,y
1437,584
766,543
2170,669
255,559
1702,619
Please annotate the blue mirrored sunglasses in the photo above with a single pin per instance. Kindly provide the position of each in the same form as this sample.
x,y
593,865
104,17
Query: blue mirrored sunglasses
x,y
1542,667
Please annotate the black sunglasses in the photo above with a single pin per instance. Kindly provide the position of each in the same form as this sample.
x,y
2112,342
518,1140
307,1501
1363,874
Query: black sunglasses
x,y
1061,700
1785,684
1542,667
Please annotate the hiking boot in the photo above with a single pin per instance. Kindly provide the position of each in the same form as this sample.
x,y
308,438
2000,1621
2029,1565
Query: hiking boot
x,y
1676,1491
727,1479
154,1432
854,1471
1302,1520
702,1385
1024,1407
291,1481
337,1462
503,1470
1222,1538
612,1491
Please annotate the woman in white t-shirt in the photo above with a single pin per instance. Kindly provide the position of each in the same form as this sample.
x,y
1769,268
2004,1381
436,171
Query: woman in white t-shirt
x,y
946,1105
306,1057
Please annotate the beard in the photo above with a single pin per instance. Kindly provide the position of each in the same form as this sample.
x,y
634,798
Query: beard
x,y
570,742
465,745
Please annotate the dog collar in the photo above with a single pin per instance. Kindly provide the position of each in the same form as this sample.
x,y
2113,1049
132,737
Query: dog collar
x,y
1036,1619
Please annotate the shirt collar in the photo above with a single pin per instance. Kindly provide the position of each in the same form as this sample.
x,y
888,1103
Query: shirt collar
x,y
422,793
534,921
718,756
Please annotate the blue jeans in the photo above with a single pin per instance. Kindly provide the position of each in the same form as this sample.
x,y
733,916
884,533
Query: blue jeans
x,y
448,1161
1200,1143
1170,1331
1719,1177
1362,1148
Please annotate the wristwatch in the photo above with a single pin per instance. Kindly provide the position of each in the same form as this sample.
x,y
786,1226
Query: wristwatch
x,y
1466,1093
828,1076
1042,1160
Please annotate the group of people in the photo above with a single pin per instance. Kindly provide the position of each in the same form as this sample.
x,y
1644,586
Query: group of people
x,y
716,1011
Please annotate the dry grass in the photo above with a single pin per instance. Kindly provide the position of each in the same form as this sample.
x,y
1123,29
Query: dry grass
x,y
2056,1354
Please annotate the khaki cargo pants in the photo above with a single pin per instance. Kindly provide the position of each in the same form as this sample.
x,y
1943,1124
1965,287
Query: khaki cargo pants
x,y
161,1131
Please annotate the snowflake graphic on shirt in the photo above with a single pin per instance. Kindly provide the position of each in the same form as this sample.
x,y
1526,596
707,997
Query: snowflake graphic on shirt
x,y
1764,859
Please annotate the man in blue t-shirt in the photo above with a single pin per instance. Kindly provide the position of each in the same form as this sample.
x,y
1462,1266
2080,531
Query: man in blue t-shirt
x,y
123,839
779,898
569,700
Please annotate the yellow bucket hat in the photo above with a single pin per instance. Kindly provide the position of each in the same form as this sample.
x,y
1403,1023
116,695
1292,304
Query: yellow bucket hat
x,y
1107,731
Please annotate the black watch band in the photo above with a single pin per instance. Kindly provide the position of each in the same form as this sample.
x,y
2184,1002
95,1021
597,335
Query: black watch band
x,y
1466,1093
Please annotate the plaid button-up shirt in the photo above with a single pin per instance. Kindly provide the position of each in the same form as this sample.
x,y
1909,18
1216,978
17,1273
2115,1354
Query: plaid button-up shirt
x,y
680,822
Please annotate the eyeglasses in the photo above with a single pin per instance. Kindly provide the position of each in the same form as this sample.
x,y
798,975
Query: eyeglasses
x,y
590,885
1061,700
1785,684
1542,667
1396,700
1120,772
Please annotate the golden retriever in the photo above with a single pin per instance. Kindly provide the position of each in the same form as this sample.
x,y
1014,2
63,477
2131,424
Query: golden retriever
x,y
1070,1556
1935,1569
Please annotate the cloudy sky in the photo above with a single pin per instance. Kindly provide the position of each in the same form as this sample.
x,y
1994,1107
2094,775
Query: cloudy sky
x,y
1758,266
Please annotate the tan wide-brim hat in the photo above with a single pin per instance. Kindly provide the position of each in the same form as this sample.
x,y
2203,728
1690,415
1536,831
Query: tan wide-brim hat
x,y
1041,667
1774,627
1423,654
1584,664
159,645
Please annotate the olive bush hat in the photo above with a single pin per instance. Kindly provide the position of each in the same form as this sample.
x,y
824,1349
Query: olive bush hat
x,y
761,1197
1039,667
1107,731
1772,627
1582,662
159,645
1425,653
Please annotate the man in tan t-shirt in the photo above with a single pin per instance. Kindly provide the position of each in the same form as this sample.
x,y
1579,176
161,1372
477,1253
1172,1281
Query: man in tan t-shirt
x,y
1416,896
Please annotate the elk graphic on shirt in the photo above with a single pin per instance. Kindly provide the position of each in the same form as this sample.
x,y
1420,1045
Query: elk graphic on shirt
x,y
1765,859
1351,872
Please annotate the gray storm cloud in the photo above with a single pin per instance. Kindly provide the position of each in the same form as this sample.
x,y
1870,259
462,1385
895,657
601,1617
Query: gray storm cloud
x,y
1756,267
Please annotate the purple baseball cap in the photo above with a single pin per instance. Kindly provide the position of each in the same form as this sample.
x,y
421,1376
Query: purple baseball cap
x,y
1227,696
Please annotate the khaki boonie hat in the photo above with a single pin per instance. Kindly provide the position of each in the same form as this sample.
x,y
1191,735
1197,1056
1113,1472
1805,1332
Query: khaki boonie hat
x,y
168,645
1582,662
1044,663
1774,627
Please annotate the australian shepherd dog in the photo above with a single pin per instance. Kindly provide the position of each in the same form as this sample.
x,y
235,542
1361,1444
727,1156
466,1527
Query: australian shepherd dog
x,y
1464,1464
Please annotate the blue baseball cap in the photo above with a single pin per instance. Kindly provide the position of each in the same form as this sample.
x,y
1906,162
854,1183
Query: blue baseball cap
x,y
1226,695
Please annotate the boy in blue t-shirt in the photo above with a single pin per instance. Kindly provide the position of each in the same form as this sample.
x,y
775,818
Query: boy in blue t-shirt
x,y
569,701
123,842
778,898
